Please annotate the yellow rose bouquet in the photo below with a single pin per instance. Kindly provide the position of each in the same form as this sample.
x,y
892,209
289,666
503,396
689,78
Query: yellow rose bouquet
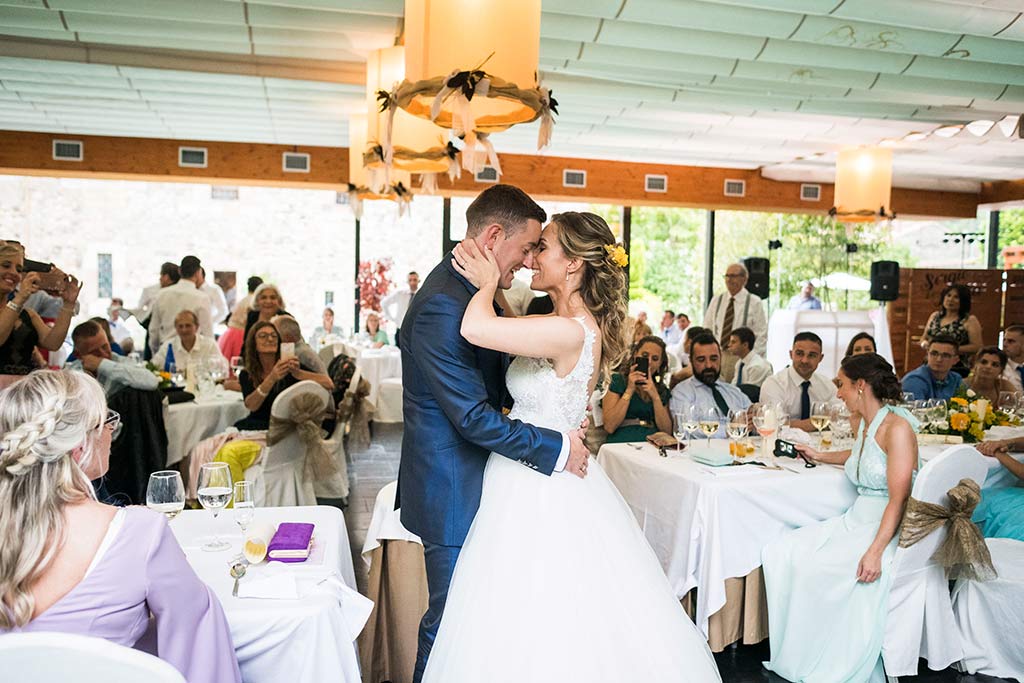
x,y
970,416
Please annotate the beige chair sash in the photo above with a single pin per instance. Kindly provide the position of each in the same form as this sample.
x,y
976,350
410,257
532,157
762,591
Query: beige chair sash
x,y
355,410
307,410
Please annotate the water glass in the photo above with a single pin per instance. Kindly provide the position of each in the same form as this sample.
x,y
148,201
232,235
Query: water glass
x,y
245,504
691,421
165,493
214,493
678,429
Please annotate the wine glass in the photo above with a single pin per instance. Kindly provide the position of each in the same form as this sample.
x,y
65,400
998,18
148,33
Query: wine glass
x,y
937,412
165,493
245,504
737,429
691,421
766,418
214,493
709,423
840,421
821,417
236,365
678,428
906,397
177,374
1008,402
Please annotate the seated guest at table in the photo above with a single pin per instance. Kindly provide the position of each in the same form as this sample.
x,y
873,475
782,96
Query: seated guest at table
x,y
266,303
705,389
640,327
320,334
378,337
92,347
21,330
751,368
291,333
686,372
266,375
669,331
805,300
954,319
1001,511
636,404
1013,347
936,378
182,295
231,341
986,374
74,565
827,584
798,386
862,342
187,346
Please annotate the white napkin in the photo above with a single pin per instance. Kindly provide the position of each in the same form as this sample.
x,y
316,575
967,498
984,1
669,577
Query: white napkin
x,y
355,608
270,582
795,436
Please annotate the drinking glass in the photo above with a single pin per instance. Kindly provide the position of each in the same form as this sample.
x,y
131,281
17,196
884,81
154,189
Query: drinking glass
x,y
678,430
214,493
691,422
165,493
245,504
177,374
737,428
841,427
937,413
821,416
236,365
906,397
1008,402
767,418
709,423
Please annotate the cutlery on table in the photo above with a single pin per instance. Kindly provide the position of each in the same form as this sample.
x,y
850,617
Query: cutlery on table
x,y
237,572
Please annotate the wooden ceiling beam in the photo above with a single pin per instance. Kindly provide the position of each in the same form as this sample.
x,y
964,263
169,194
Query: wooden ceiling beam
x,y
1002,194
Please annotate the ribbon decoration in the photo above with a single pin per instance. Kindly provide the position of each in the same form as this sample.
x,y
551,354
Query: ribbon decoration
x,y
473,160
307,411
355,410
963,552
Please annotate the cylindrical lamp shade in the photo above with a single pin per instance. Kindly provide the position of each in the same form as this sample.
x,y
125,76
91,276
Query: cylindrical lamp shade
x,y
863,184
419,144
358,175
500,37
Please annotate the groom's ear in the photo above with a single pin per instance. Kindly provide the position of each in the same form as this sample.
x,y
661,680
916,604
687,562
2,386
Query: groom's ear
x,y
492,234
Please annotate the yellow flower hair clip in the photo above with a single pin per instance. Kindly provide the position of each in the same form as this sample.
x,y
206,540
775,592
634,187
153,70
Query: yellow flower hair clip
x,y
617,255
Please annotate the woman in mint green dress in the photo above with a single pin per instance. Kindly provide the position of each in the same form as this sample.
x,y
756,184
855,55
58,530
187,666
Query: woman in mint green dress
x,y
1000,514
828,584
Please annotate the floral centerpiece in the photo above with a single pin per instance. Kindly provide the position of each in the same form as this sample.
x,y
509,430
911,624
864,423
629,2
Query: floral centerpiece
x,y
162,375
970,416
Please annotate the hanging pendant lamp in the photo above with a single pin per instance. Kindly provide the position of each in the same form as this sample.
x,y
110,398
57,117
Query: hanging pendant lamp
x,y
863,188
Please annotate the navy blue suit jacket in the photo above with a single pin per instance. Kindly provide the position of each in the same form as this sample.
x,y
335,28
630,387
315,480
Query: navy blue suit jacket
x,y
452,398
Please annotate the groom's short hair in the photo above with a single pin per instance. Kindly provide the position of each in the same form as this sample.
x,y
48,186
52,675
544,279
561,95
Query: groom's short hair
x,y
506,205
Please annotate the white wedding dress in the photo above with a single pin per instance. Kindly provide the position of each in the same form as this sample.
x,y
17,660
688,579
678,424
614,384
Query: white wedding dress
x,y
556,582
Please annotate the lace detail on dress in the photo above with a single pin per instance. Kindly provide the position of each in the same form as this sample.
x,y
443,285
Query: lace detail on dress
x,y
544,399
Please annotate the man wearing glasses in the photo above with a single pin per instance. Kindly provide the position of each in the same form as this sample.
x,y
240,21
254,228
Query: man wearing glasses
x,y
736,307
935,379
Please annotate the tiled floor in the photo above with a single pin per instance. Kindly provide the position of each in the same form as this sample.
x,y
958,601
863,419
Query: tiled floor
x,y
371,469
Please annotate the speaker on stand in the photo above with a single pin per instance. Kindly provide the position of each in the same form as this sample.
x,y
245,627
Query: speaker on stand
x,y
759,270
885,281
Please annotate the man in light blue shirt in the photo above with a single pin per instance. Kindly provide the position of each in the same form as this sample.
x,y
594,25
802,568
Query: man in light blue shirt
x,y
96,358
935,379
669,331
705,389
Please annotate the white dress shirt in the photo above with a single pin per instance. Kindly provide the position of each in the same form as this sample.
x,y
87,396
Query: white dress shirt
x,y
395,305
218,304
748,311
784,388
694,392
118,330
204,348
1012,375
755,370
149,295
172,300
673,336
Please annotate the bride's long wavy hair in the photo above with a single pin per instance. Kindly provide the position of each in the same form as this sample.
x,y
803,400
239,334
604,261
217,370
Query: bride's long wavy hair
x,y
584,236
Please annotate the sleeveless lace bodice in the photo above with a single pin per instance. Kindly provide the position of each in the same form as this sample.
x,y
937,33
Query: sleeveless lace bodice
x,y
544,399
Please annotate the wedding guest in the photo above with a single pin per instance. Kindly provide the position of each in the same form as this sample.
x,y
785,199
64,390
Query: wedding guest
x,y
73,565
1001,511
936,378
862,342
636,404
266,375
1013,347
169,275
378,337
751,368
327,329
805,300
986,374
827,584
686,371
395,305
94,357
183,295
669,331
119,332
21,330
291,333
705,389
187,347
231,341
640,327
800,385
736,307
682,322
219,310
954,320
266,303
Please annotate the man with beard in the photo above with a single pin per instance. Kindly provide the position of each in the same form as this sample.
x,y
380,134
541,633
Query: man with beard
x,y
705,389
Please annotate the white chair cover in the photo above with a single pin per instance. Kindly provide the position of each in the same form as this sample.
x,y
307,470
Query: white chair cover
x,y
327,354
988,614
389,401
920,622
278,476
59,657
338,485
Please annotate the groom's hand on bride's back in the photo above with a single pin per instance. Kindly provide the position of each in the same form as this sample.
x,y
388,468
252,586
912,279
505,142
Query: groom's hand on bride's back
x,y
579,454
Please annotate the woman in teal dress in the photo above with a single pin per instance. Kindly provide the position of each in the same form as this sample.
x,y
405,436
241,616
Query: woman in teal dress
x,y
636,404
828,584
1001,511
378,337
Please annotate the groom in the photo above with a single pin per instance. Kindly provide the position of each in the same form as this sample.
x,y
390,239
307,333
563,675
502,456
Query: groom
x,y
453,394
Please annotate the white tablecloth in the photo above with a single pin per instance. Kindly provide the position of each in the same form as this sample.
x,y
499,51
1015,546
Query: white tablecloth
x,y
374,365
385,523
309,639
189,423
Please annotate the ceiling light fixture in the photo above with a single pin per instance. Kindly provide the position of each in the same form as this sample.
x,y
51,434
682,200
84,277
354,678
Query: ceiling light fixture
x,y
863,187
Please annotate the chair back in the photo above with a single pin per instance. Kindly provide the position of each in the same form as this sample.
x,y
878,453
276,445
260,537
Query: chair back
x,y
50,657
326,354
141,446
751,391
284,462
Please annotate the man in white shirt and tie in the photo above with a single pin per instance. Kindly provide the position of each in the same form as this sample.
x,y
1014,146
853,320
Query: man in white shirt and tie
x,y
751,368
705,389
1013,346
181,296
736,307
395,305
799,386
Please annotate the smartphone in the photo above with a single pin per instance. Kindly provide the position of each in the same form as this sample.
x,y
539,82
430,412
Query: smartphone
x,y
785,449
643,364
287,350
53,281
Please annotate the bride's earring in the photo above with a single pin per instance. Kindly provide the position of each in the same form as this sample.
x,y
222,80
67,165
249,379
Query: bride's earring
x,y
566,274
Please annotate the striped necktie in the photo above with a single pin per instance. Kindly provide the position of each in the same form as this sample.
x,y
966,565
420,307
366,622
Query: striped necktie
x,y
727,322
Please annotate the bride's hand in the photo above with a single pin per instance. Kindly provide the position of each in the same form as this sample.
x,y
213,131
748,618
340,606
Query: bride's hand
x,y
479,267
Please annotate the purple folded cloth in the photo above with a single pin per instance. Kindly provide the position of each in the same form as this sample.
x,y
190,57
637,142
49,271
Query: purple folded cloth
x,y
291,542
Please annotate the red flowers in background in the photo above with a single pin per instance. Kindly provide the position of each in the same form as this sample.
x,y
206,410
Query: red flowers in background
x,y
374,280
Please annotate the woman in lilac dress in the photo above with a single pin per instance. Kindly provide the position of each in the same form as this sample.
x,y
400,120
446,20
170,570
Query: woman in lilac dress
x,y
70,564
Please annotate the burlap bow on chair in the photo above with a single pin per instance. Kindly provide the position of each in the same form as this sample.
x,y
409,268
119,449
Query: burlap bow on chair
x,y
307,411
355,411
963,553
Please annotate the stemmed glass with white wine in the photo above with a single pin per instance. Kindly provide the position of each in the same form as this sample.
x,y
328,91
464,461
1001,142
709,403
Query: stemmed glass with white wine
x,y
691,421
709,423
737,429
214,493
821,417
165,493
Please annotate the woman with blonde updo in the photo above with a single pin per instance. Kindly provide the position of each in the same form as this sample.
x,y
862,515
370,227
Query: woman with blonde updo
x,y
70,564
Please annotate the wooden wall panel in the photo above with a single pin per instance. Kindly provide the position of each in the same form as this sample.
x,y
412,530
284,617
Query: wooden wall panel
x,y
1013,306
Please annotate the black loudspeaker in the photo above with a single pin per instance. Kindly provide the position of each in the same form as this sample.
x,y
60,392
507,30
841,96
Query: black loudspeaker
x,y
885,280
758,268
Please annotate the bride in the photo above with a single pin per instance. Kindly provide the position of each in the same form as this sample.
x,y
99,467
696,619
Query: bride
x,y
556,581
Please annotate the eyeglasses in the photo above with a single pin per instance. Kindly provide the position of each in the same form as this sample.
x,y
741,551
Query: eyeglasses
x,y
267,336
733,276
942,355
112,422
